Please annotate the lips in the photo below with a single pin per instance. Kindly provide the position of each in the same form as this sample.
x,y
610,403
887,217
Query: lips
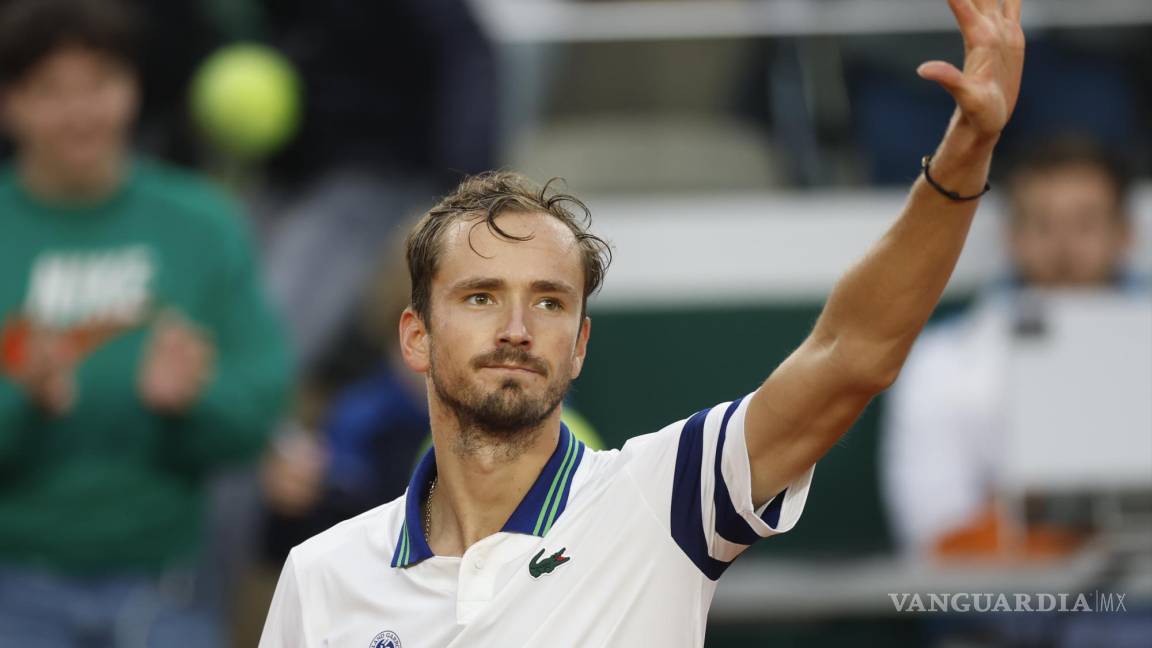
x,y
513,368
512,360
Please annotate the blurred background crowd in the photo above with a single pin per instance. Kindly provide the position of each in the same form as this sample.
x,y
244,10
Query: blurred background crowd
x,y
202,204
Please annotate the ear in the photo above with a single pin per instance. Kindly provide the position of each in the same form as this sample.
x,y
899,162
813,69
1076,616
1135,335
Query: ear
x,y
414,341
581,349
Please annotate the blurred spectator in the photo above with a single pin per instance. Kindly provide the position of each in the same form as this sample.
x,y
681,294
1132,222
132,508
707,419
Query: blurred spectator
x,y
371,436
400,102
367,440
1069,227
138,353
180,33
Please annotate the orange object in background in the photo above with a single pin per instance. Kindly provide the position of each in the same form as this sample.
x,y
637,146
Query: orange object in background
x,y
14,339
987,536
74,343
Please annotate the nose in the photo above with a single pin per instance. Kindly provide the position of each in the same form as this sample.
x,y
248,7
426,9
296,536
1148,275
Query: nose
x,y
515,330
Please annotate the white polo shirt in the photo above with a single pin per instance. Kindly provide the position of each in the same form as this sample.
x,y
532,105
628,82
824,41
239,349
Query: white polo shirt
x,y
612,548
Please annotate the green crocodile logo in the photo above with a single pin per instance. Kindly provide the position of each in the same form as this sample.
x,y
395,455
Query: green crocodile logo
x,y
538,568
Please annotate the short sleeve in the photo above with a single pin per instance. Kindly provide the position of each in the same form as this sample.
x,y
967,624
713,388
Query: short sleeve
x,y
697,471
284,627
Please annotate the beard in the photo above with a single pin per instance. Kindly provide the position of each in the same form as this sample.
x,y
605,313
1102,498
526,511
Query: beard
x,y
508,415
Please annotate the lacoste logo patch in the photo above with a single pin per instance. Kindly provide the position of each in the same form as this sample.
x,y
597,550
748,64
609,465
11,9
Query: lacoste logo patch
x,y
538,567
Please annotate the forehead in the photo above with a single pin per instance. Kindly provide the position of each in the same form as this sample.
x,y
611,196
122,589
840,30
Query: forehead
x,y
469,248
1073,188
1084,180
73,59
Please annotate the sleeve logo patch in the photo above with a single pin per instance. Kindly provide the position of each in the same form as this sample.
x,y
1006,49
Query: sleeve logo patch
x,y
386,639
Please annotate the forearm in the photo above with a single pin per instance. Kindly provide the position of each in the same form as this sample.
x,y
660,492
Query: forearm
x,y
879,306
234,417
247,393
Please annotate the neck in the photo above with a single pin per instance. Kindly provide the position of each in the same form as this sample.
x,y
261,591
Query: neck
x,y
480,483
47,179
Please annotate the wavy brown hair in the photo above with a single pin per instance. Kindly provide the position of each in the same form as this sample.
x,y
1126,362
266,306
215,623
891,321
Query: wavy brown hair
x,y
483,198
32,30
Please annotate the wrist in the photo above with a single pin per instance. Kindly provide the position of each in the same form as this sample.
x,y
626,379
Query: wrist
x,y
962,160
954,196
967,142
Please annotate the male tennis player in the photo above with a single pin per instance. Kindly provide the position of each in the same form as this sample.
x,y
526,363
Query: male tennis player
x,y
512,533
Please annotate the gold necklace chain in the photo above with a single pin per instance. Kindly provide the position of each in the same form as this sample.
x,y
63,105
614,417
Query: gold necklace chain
x,y
428,509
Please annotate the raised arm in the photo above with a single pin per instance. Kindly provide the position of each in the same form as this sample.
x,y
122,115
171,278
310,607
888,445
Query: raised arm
x,y
877,308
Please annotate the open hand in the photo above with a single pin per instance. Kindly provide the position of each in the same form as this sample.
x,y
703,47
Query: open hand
x,y
293,472
47,373
986,90
177,364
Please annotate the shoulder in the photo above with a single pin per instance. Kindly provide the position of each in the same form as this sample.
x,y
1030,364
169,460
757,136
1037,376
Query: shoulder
x,y
373,532
651,459
643,454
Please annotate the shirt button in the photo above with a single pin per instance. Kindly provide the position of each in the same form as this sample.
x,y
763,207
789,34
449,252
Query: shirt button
x,y
479,564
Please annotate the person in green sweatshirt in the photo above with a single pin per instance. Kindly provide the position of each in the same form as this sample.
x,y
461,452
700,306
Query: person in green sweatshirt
x,y
137,352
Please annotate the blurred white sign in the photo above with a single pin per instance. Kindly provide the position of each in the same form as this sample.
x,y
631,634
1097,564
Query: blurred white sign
x,y
1080,395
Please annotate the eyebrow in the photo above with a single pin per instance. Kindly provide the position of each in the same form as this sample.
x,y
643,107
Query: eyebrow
x,y
492,283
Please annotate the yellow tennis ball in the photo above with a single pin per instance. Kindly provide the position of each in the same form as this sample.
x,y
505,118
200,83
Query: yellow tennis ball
x,y
246,99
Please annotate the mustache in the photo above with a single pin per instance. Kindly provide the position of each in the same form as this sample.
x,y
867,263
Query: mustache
x,y
510,356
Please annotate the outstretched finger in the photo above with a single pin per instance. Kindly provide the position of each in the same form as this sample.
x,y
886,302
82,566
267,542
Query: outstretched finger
x,y
1012,10
964,11
946,74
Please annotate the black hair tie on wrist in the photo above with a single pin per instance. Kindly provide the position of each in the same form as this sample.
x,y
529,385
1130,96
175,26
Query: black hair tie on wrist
x,y
947,193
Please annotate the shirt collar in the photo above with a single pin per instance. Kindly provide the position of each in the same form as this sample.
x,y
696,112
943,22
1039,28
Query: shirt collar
x,y
535,514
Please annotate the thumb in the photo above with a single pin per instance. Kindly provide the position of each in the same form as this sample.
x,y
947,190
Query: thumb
x,y
946,74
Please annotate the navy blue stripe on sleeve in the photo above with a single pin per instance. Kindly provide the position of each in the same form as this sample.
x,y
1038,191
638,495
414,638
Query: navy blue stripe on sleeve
x,y
687,524
771,514
729,524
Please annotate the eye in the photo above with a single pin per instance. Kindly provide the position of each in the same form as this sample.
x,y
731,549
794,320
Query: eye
x,y
479,299
551,304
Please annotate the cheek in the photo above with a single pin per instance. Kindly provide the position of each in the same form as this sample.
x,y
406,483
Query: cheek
x,y
117,107
562,353
1097,248
452,349
1038,241
107,115
1028,249
28,117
